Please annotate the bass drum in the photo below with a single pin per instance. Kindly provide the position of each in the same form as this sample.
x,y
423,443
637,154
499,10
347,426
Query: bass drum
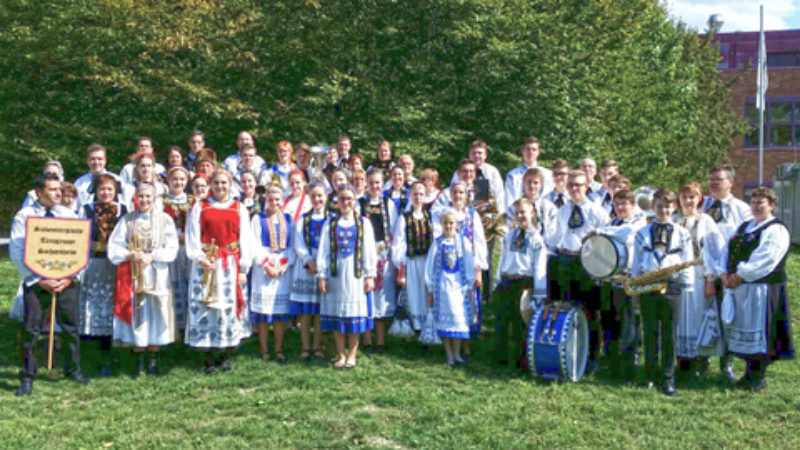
x,y
603,257
557,344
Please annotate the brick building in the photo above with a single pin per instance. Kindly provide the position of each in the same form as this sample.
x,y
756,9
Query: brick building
x,y
782,116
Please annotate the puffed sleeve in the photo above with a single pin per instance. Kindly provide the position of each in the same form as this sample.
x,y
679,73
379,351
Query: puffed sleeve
x,y
301,251
169,248
479,242
430,266
369,255
713,244
118,243
686,276
399,245
260,253
772,247
194,247
247,242
323,254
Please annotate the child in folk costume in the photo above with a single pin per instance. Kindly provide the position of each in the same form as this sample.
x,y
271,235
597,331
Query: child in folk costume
x,y
450,276
413,236
250,196
381,213
297,202
523,265
346,267
177,204
220,245
306,297
709,243
663,244
396,191
338,180
272,283
96,301
761,330
143,244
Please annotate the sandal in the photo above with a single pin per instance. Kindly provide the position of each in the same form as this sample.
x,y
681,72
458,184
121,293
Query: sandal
x,y
265,357
318,354
305,355
280,358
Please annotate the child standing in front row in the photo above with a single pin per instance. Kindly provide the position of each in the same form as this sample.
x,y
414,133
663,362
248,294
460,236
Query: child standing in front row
x,y
523,265
449,276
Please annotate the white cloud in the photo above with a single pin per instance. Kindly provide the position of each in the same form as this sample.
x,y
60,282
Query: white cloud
x,y
737,15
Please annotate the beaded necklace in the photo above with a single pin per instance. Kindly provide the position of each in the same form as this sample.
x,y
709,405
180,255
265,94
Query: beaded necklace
x,y
418,233
276,242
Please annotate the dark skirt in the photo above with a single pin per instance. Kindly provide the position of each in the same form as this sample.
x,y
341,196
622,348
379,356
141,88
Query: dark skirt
x,y
779,324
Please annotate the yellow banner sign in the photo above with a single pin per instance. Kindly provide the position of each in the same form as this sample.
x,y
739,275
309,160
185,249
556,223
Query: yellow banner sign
x,y
57,248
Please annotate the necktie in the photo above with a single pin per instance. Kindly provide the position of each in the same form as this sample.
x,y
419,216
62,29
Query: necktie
x,y
715,211
616,222
661,234
576,218
560,200
49,213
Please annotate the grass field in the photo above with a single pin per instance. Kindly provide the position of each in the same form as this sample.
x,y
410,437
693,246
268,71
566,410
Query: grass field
x,y
403,399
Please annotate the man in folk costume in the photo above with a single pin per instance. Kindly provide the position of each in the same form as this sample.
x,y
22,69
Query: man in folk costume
x,y
37,292
589,167
143,245
755,278
609,168
531,150
243,140
219,243
576,219
729,213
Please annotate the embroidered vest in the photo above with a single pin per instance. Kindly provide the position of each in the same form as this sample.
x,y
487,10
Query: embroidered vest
x,y
743,244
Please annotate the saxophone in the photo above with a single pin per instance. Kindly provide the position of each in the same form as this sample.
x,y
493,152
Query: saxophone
x,y
209,277
493,221
656,280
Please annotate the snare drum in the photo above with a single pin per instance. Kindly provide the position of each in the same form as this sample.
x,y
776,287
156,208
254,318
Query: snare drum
x,y
603,257
558,343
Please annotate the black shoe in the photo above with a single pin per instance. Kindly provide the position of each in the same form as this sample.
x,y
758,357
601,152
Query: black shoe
x,y
152,368
669,389
77,376
758,385
727,371
210,370
25,387
139,369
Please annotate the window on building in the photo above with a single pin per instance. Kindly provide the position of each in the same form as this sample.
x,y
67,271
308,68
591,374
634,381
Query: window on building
x,y
781,59
781,123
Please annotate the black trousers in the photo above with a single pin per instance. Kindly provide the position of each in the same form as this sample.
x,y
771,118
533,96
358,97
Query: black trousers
x,y
37,300
657,311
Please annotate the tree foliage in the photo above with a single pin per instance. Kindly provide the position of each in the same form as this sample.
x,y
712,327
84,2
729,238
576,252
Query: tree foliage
x,y
601,78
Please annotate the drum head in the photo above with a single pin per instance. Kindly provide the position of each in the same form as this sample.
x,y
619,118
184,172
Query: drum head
x,y
599,256
577,347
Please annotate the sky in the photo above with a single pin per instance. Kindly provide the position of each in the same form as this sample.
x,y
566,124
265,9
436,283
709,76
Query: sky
x,y
737,15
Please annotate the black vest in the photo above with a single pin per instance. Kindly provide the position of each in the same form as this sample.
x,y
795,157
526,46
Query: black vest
x,y
743,244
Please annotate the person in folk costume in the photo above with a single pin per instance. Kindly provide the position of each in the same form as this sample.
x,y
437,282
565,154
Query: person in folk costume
x,y
145,172
96,300
658,245
244,140
302,157
128,172
251,195
523,265
285,165
332,164
199,187
576,219
142,245
530,151
343,147
753,264
470,227
96,160
174,158
249,164
413,236
50,167
609,168
430,178
271,282
449,277
397,192
359,179
37,292
382,213
220,245
616,309
338,180
346,270
205,161
708,242
384,161
558,196
545,217
589,167
355,162
177,203
306,296
729,213
296,202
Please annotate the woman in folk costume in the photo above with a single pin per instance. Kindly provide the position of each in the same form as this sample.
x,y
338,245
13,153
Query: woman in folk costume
x,y
272,277
145,172
761,331
96,300
381,213
449,276
708,242
220,245
471,228
346,267
413,236
142,245
199,187
297,202
249,197
338,180
306,297
177,203
285,151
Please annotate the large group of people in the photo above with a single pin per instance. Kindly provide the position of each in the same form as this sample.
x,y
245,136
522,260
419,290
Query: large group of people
x,y
208,253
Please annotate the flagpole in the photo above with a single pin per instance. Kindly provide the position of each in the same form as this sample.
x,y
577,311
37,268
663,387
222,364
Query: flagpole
x,y
763,104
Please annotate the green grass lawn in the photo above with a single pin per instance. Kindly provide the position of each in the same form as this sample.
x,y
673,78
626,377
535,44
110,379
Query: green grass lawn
x,y
403,399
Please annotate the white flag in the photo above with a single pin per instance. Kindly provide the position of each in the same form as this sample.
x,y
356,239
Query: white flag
x,y
761,77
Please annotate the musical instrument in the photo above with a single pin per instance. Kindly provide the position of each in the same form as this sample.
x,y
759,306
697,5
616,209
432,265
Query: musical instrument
x,y
557,343
141,239
643,198
485,204
603,257
209,277
317,163
656,280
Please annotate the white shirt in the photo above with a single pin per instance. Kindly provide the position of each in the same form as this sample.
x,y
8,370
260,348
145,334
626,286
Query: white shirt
x,y
547,217
232,162
772,247
570,238
513,184
734,213
126,174
678,250
530,260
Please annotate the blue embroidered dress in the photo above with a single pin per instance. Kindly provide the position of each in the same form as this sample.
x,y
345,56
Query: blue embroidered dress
x,y
269,297
306,296
450,275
